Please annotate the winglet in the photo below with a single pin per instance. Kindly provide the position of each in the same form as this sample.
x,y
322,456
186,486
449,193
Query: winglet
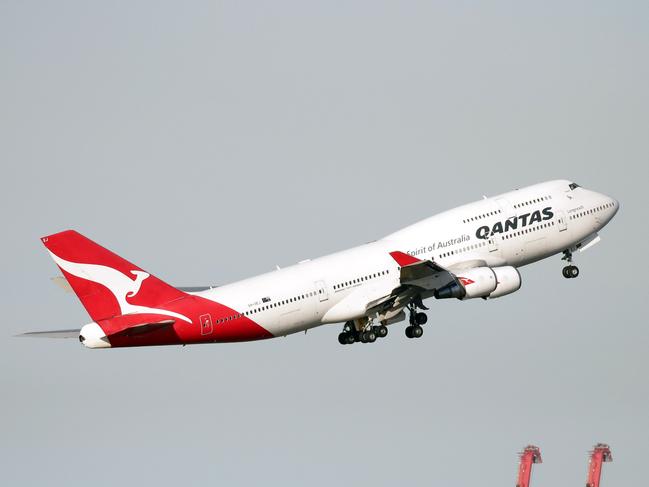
x,y
404,259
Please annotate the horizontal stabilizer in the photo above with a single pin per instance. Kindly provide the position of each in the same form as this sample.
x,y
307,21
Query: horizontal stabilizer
x,y
52,334
194,289
141,328
63,283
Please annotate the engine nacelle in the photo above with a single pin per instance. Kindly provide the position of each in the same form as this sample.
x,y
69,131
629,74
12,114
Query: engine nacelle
x,y
509,281
477,282
482,282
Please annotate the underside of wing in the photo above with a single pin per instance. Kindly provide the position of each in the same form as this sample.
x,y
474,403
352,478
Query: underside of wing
x,y
418,279
425,275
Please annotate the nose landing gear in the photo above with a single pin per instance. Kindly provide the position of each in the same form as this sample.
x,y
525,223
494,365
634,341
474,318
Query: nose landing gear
x,y
570,271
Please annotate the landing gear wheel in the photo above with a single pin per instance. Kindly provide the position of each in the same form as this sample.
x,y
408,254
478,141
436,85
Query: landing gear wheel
x,y
414,331
570,271
421,318
368,337
381,331
342,338
351,338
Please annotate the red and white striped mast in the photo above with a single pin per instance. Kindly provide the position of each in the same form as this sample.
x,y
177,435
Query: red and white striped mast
x,y
529,456
601,453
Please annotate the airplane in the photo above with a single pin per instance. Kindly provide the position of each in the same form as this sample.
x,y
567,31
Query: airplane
x,y
472,251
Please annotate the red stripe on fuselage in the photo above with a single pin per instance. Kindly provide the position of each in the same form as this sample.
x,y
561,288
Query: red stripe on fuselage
x,y
196,308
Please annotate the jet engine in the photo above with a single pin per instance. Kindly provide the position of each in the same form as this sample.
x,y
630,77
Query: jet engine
x,y
509,281
482,282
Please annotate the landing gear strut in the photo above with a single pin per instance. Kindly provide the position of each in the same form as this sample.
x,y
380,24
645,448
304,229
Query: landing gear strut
x,y
570,271
414,330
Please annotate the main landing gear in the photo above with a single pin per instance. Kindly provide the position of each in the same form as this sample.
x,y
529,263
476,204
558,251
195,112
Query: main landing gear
x,y
361,331
414,330
570,271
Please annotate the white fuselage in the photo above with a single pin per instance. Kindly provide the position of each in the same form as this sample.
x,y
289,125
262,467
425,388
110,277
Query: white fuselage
x,y
511,229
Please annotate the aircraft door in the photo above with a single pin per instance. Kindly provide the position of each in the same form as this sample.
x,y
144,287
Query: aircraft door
x,y
506,209
206,324
562,221
321,290
492,244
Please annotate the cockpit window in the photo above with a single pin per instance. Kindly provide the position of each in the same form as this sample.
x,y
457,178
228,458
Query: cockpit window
x,y
574,185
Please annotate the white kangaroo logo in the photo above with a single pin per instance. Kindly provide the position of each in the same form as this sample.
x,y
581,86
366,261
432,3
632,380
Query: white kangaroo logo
x,y
119,284
140,276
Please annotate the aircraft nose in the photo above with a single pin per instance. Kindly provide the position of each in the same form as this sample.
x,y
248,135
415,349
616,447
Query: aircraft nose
x,y
611,204
611,207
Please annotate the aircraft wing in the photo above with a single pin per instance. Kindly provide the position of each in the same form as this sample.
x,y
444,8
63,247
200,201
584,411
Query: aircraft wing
x,y
418,279
425,275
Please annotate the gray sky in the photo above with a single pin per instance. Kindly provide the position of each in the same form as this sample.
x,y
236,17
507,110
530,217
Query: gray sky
x,y
208,142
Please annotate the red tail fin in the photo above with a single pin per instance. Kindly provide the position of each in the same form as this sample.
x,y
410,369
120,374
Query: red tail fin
x,y
106,284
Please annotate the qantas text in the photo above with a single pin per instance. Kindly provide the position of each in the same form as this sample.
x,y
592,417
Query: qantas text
x,y
513,223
